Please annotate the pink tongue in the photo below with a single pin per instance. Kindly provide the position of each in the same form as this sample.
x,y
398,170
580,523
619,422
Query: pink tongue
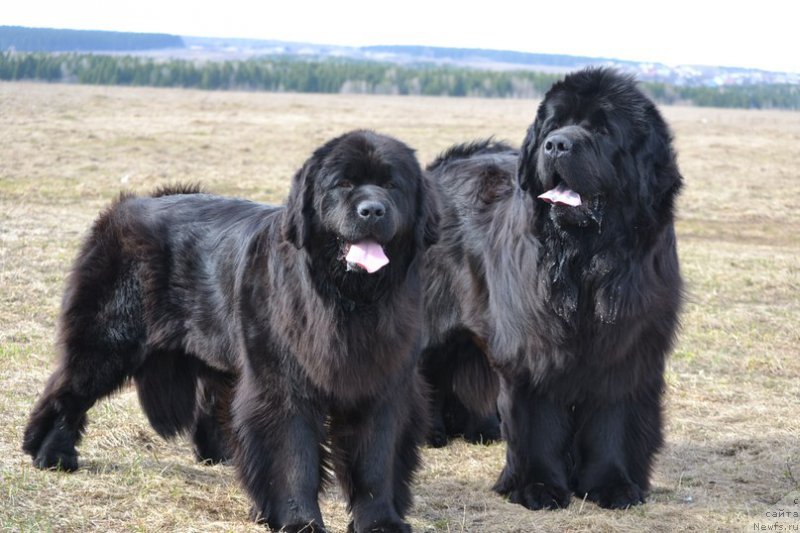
x,y
562,195
368,255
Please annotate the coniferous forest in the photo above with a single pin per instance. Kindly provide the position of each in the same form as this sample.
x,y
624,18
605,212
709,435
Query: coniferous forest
x,y
347,76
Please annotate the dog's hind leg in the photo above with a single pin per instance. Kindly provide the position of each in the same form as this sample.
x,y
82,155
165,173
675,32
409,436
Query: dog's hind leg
x,y
89,370
101,344
211,430
464,391
56,425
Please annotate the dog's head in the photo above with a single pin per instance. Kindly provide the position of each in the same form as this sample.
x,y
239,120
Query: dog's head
x,y
599,148
362,201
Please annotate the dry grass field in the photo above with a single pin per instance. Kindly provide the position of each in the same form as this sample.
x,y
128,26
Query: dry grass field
x,y
733,405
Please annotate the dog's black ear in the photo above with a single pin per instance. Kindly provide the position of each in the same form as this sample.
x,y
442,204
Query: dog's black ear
x,y
428,199
299,206
525,159
657,164
526,168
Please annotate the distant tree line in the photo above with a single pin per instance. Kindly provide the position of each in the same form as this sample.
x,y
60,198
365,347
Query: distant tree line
x,y
55,40
766,96
282,74
272,74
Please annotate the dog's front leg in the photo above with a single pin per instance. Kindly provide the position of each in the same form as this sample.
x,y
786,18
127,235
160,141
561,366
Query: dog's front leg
x,y
278,453
375,453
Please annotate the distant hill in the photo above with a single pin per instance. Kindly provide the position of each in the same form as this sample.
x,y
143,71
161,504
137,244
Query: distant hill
x,y
482,59
681,75
56,40
467,55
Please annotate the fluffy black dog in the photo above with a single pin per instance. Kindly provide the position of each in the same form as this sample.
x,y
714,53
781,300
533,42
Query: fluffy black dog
x,y
285,323
569,278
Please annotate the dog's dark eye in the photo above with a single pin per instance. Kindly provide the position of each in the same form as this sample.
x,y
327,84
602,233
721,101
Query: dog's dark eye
x,y
389,185
344,184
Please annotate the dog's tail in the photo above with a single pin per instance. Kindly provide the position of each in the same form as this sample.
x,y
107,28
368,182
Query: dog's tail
x,y
468,150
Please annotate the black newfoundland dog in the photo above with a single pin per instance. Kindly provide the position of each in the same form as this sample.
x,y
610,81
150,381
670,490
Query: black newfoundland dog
x,y
569,279
294,326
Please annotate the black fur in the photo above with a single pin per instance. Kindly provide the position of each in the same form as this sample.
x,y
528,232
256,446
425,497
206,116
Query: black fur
x,y
240,319
577,307
464,392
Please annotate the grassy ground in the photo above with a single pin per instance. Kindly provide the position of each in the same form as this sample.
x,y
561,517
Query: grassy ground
x,y
733,424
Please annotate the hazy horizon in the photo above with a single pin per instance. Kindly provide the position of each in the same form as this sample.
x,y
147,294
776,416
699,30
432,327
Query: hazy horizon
x,y
681,33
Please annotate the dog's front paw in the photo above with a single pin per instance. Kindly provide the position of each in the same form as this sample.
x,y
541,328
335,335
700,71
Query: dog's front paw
x,y
381,527
535,495
303,527
617,496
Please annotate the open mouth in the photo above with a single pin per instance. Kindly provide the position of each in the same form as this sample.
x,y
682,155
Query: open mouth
x,y
560,194
366,255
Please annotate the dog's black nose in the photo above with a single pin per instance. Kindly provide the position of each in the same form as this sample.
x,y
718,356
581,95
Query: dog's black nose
x,y
557,145
371,210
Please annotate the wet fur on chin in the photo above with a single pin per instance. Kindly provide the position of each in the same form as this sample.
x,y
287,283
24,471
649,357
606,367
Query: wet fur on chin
x,y
577,308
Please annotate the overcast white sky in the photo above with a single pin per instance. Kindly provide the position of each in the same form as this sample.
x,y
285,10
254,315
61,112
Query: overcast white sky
x,y
763,34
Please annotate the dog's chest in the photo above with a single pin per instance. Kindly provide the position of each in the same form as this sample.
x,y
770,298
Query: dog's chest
x,y
355,354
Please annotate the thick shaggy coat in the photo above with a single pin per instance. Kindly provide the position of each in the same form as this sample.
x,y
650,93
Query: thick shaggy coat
x,y
238,318
568,276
